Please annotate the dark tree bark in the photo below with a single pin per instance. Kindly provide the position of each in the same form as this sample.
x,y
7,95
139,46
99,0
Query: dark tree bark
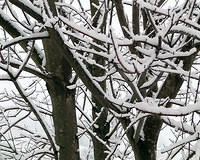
x,y
63,100
59,63
101,127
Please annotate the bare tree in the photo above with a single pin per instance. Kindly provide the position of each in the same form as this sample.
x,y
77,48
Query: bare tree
x,y
114,73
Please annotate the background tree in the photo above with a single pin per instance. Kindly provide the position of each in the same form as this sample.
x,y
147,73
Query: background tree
x,y
110,75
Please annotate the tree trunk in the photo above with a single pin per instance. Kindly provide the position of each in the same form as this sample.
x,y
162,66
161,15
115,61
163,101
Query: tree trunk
x,y
64,117
101,127
63,99
146,148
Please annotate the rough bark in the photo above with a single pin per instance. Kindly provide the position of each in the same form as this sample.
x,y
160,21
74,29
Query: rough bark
x,y
101,131
63,100
146,148
102,128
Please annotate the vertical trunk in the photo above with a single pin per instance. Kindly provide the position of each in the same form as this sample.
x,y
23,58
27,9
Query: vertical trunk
x,y
63,99
64,117
101,127
146,148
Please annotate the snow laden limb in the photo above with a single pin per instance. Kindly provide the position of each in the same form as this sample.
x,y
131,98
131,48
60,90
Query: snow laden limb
x,y
153,108
165,12
25,61
16,31
28,68
178,125
39,117
28,7
126,66
34,36
85,75
146,66
167,51
64,7
105,39
182,142
35,111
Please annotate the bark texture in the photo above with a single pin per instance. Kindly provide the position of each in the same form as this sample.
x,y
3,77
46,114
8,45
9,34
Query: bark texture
x,y
63,99
146,148
102,127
